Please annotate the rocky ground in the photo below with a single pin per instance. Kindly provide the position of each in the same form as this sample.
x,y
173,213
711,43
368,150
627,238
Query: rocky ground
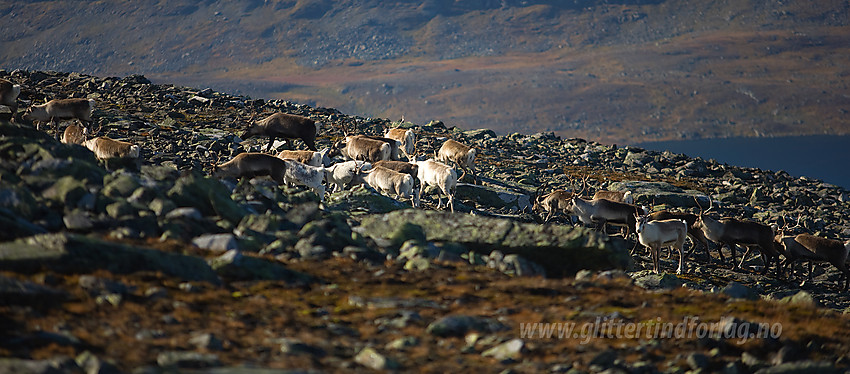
x,y
152,266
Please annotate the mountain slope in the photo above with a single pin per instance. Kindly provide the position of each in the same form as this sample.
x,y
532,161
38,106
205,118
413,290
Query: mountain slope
x,y
622,71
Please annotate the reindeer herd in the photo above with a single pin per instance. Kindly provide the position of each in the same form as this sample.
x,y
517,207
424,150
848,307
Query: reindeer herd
x,y
390,165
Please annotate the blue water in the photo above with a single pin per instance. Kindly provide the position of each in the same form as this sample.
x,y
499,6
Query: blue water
x,y
822,157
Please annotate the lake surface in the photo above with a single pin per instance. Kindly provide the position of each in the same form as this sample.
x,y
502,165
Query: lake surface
x,y
822,157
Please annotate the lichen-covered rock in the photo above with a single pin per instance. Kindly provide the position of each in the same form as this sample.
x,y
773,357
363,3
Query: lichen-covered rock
x,y
207,195
493,198
661,193
560,250
80,254
233,265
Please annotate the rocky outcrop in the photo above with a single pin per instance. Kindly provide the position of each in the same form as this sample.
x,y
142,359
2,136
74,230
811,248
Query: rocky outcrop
x,y
560,250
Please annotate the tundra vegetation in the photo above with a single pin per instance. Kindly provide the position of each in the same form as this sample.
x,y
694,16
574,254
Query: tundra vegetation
x,y
175,264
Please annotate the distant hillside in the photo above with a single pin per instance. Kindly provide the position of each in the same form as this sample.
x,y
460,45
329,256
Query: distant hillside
x,y
613,71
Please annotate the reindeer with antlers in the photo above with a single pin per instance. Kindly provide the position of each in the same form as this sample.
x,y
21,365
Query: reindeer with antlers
x,y
557,200
731,232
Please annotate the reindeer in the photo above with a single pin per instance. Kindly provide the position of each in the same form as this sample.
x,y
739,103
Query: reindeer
x,y
341,175
600,212
813,248
74,135
458,153
657,234
249,165
618,196
106,148
405,137
394,145
306,157
730,232
286,126
556,201
9,95
391,182
694,231
61,109
358,147
301,174
433,173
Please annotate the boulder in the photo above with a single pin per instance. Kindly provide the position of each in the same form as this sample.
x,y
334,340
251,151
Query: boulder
x,y
660,193
560,250
233,265
492,197
70,253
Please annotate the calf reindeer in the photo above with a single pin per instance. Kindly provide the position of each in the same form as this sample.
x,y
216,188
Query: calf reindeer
x,y
391,182
341,175
657,234
74,135
249,165
106,148
301,174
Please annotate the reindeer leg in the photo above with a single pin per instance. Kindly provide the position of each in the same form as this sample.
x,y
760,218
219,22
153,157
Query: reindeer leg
x,y
655,254
681,259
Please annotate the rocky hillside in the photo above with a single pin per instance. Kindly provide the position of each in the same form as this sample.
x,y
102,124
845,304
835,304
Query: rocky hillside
x,y
149,266
620,72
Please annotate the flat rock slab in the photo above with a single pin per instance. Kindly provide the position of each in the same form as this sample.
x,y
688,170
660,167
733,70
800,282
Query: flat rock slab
x,y
492,197
70,253
561,250
661,193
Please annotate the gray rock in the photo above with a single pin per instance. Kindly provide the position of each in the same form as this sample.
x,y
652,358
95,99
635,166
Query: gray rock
x,y
79,254
651,281
161,206
119,185
660,193
91,364
801,298
207,195
511,349
15,226
493,198
560,250
58,365
77,221
458,325
185,213
370,358
736,290
233,265
216,242
13,291
187,360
